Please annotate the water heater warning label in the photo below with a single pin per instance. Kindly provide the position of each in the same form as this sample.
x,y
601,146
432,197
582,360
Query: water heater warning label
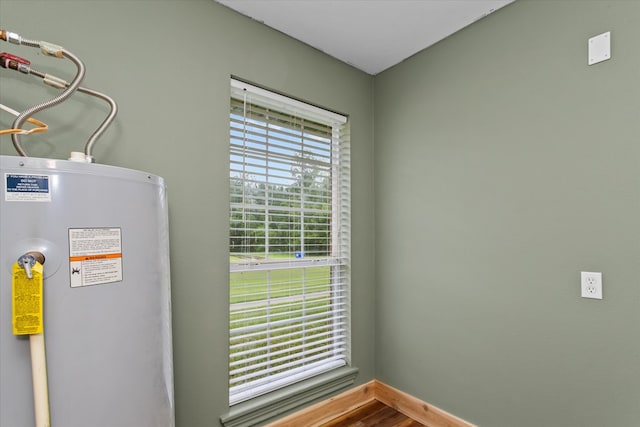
x,y
27,188
95,256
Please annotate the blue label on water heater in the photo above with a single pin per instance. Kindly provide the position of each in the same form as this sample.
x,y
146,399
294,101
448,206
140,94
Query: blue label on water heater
x,y
27,188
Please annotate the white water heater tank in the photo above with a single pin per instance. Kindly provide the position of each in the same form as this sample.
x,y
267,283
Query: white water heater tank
x,y
103,232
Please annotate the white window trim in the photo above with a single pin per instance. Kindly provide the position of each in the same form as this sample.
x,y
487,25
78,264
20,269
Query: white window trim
x,y
310,112
286,104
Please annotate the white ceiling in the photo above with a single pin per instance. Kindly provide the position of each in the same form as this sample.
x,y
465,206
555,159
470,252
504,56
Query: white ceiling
x,y
371,35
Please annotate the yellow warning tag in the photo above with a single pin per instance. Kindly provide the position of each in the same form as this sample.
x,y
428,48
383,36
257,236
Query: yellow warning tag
x,y
26,300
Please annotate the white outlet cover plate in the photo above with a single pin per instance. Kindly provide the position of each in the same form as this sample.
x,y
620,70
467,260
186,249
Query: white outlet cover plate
x,y
591,284
600,48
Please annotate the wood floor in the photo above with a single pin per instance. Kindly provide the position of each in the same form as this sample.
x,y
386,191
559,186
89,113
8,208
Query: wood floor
x,y
373,414
368,405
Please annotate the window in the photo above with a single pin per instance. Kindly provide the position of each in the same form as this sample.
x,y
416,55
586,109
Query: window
x,y
289,243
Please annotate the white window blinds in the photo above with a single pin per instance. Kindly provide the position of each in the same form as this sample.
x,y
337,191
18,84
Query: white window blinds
x,y
289,241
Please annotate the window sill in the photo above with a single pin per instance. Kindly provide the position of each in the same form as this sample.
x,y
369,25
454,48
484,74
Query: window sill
x,y
262,409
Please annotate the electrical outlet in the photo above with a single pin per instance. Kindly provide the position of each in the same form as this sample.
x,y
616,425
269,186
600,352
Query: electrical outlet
x,y
591,284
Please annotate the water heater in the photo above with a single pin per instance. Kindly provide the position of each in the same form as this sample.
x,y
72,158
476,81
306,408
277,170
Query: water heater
x,y
103,234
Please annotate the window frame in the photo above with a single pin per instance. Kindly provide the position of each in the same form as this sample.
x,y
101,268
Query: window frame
x,y
340,218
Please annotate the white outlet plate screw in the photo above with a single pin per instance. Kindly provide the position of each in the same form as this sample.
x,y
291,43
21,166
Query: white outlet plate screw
x,y
591,284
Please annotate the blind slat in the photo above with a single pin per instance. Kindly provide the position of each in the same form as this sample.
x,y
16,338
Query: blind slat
x,y
293,352
306,357
257,339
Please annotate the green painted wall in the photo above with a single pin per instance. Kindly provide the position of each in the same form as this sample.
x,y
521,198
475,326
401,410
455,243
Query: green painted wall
x,y
505,165
168,63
